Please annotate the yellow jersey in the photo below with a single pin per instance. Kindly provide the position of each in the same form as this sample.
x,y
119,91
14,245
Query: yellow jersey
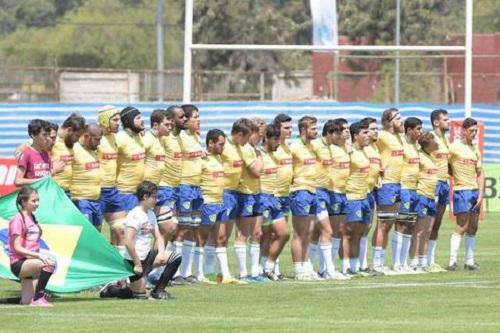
x,y
62,153
155,157
375,166
268,178
87,174
427,175
249,184
324,163
441,156
340,168
465,163
212,179
233,162
304,166
283,157
192,153
391,151
356,184
108,155
130,163
171,176
411,158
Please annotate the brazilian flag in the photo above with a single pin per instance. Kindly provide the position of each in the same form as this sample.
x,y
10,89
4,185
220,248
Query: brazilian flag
x,y
85,258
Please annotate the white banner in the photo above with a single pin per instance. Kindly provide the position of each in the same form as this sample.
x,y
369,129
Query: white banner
x,y
324,16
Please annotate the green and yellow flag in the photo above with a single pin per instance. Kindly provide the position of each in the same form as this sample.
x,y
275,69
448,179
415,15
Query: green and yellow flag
x,y
84,257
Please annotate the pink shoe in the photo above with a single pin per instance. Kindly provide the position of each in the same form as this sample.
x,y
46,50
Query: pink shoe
x,y
42,301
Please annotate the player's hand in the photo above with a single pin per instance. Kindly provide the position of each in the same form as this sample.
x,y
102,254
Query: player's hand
x,y
58,166
138,269
204,153
479,203
160,259
381,172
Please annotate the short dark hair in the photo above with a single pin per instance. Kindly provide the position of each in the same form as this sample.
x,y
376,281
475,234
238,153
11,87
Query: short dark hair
x,y
369,120
357,127
75,122
54,126
338,124
242,125
189,109
145,188
388,115
469,122
281,118
273,131
35,126
411,123
425,139
306,121
328,127
214,135
170,111
436,114
157,116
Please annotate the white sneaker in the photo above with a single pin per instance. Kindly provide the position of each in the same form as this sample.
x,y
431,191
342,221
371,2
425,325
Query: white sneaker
x,y
303,277
334,275
314,276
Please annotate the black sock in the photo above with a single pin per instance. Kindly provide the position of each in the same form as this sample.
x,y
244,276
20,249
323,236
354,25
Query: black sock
x,y
169,271
43,279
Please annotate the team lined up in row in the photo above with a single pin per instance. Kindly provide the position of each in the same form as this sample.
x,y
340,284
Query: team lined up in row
x,y
254,178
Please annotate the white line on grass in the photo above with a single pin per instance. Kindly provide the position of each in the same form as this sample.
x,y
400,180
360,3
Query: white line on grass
x,y
468,284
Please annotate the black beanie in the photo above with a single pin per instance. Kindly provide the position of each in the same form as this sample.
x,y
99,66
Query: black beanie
x,y
127,116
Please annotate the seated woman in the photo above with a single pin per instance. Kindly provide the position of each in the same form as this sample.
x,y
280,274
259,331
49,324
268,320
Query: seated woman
x,y
26,262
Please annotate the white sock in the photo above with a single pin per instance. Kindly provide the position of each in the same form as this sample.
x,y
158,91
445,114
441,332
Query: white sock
x,y
470,245
262,264
376,256
326,255
187,258
277,267
177,247
254,250
121,249
221,254
345,265
397,242
241,258
209,259
307,266
405,249
363,262
298,268
353,263
313,252
422,261
382,257
454,246
335,249
414,262
431,252
269,266
198,261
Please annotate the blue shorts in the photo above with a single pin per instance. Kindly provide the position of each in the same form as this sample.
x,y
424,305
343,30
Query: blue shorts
x,y
211,213
231,204
426,207
284,204
408,201
339,204
167,197
270,207
110,200
248,205
359,211
389,194
372,198
325,198
464,200
92,211
443,193
189,199
303,203
128,201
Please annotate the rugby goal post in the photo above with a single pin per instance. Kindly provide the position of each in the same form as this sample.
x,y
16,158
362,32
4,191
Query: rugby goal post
x,y
189,47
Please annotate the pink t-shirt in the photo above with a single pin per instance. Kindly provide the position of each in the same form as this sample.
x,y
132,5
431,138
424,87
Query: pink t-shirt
x,y
29,232
37,164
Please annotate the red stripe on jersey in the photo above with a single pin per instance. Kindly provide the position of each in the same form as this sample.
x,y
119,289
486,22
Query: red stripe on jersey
x,y
160,158
109,156
138,157
397,153
286,161
92,165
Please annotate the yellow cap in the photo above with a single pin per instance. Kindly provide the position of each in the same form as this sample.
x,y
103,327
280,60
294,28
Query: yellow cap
x,y
106,113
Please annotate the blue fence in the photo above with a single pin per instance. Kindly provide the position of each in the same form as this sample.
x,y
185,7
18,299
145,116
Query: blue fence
x,y
14,117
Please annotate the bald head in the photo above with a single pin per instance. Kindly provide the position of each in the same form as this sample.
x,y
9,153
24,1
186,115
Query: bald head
x,y
92,136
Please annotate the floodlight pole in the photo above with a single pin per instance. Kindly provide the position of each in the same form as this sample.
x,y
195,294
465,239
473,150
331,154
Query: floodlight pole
x,y
398,42
160,67
188,41
468,59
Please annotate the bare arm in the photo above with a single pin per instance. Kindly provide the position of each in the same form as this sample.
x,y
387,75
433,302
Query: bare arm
x,y
480,183
160,244
256,167
129,244
20,180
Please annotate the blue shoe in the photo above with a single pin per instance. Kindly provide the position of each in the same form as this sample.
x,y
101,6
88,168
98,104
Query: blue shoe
x,y
258,279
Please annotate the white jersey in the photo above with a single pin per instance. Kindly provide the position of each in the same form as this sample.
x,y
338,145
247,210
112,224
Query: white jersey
x,y
145,225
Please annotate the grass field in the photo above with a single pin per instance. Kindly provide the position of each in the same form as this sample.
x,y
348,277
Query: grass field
x,y
445,302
